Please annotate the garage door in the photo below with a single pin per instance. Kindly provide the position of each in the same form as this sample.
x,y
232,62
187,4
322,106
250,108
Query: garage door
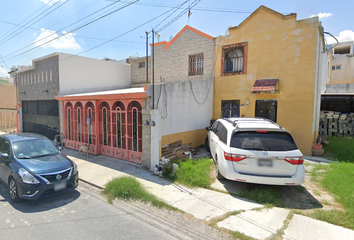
x,y
41,117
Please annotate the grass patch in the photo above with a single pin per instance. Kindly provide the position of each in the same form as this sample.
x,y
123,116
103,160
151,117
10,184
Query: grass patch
x,y
193,173
340,149
337,179
269,196
128,188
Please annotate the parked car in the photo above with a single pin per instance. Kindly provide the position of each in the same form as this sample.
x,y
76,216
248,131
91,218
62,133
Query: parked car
x,y
255,150
33,167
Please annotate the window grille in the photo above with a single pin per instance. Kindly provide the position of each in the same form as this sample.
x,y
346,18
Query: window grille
x,y
105,126
135,127
69,123
141,64
90,126
234,60
196,64
79,124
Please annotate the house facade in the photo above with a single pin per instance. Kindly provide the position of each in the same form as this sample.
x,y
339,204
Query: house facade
x,y
269,66
179,103
338,82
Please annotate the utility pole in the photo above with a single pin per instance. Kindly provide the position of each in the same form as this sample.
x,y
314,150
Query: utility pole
x,y
147,57
153,65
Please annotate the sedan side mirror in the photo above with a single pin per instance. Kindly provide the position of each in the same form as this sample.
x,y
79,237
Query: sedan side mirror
x,y
4,155
207,128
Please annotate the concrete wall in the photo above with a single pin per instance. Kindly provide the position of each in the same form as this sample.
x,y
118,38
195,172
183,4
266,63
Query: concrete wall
x,y
171,65
41,82
346,74
8,95
279,47
138,75
82,74
185,101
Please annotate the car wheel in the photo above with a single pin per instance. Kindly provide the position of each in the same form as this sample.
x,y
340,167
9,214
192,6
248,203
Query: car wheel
x,y
207,144
218,175
13,191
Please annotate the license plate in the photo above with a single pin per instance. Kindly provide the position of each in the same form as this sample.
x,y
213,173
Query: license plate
x,y
265,163
59,186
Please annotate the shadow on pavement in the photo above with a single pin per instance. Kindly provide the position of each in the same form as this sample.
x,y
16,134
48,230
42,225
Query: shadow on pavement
x,y
39,205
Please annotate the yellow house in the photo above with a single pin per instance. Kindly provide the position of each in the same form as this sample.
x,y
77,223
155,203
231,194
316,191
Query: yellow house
x,y
269,66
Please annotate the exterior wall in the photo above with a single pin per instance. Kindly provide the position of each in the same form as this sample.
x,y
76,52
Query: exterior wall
x,y
182,116
185,101
346,74
171,65
34,83
8,95
81,74
138,75
279,47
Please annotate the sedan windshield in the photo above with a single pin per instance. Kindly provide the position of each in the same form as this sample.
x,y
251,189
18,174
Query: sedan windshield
x,y
33,148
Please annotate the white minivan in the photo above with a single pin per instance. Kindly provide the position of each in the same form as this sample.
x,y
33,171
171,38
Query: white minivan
x,y
255,150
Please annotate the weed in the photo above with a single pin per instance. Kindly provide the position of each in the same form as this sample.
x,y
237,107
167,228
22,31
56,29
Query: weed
x,y
193,173
128,188
264,194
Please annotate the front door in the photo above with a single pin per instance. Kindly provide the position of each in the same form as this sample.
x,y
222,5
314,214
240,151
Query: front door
x,y
267,108
4,168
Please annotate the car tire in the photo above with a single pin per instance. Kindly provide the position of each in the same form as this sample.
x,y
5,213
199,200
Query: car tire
x,y
218,174
13,191
207,144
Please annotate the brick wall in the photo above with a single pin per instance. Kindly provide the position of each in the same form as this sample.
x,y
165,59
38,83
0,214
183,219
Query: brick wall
x,y
33,84
138,75
172,64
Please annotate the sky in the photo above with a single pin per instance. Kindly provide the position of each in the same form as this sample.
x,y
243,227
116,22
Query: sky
x,y
30,29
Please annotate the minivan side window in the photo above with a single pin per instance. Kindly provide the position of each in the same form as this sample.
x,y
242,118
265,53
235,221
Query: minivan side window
x,y
219,129
223,135
214,127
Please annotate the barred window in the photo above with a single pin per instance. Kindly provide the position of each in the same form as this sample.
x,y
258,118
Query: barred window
x,y
141,64
234,59
196,64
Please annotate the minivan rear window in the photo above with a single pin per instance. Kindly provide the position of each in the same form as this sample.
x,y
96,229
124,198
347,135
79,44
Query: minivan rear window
x,y
263,141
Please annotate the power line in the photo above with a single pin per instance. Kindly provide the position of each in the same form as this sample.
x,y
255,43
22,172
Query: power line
x,y
60,29
23,20
82,26
119,35
20,31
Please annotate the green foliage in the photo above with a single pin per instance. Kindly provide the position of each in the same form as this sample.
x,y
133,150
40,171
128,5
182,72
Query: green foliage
x,y
264,194
128,188
194,173
340,149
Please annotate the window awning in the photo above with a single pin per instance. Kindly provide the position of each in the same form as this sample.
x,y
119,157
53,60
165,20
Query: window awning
x,y
265,85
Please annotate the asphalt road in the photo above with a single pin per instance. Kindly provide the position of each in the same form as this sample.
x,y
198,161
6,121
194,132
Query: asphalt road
x,y
85,214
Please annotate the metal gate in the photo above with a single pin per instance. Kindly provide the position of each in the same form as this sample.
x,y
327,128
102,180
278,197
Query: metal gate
x,y
41,117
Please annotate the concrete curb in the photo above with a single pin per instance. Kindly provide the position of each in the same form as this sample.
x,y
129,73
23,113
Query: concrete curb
x,y
92,184
317,159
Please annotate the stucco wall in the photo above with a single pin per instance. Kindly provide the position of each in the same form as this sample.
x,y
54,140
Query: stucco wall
x,y
278,48
82,74
346,74
8,96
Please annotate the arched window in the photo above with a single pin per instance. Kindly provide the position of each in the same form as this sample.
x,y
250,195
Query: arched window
x,y
79,124
90,126
119,131
69,123
135,130
105,126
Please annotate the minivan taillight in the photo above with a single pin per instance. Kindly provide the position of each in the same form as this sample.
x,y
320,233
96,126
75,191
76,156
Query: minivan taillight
x,y
295,160
234,157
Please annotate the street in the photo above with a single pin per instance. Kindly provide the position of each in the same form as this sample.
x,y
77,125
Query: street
x,y
85,214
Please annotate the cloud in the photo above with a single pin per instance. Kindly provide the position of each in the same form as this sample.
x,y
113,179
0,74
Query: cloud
x,y
50,2
344,36
323,15
3,72
64,42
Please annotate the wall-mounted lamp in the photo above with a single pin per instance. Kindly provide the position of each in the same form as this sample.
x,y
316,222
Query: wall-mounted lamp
x,y
153,123
45,91
146,123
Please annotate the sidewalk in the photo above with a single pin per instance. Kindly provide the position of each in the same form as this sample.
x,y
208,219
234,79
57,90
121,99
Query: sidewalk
x,y
206,204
